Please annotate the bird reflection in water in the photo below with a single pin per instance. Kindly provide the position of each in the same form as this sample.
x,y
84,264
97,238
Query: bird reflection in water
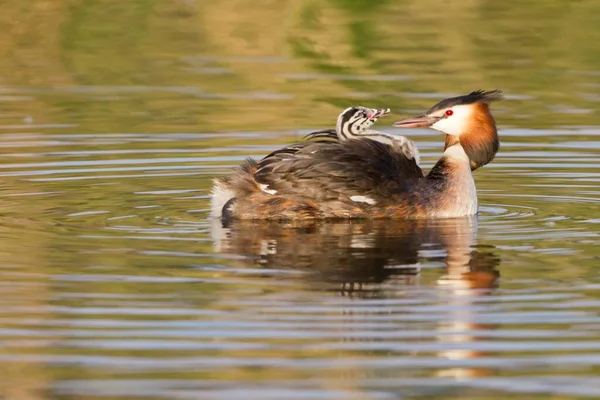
x,y
365,257
382,259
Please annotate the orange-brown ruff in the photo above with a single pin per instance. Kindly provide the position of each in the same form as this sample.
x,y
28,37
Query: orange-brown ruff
x,y
364,178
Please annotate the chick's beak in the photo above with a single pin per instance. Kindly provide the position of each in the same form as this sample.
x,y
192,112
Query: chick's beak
x,y
416,122
378,113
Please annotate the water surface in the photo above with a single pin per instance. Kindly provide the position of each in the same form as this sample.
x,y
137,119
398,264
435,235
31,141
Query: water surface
x,y
115,117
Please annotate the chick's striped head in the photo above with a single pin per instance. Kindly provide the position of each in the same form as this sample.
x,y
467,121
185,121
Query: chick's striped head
x,y
355,120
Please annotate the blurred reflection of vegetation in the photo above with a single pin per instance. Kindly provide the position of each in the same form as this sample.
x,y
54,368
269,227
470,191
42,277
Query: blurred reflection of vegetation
x,y
546,50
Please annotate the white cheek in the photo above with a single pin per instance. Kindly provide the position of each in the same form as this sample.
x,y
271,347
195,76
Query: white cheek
x,y
456,123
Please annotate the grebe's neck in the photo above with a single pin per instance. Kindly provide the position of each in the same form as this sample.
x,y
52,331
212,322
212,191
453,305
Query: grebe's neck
x,y
450,186
345,132
340,131
453,161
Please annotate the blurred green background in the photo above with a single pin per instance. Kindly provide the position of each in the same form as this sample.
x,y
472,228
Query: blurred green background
x,y
150,65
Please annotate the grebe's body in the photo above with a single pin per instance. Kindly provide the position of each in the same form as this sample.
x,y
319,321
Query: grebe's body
x,y
365,178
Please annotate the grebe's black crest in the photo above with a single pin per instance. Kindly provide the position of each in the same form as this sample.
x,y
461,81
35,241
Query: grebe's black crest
x,y
478,96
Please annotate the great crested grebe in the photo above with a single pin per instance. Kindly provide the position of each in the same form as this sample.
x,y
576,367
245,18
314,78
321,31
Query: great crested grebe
x,y
363,178
354,123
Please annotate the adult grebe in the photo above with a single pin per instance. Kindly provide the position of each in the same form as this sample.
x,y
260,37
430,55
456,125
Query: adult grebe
x,y
364,178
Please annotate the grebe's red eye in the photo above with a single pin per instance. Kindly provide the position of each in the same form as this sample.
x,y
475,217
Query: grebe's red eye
x,y
449,113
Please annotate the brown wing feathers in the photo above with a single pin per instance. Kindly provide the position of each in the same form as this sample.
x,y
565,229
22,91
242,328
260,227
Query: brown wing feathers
x,y
339,170
320,179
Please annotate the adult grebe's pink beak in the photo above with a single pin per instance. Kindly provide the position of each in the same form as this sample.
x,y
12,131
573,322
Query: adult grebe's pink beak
x,y
416,122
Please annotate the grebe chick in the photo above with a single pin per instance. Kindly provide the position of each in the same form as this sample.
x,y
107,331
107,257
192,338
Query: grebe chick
x,y
354,123
362,178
